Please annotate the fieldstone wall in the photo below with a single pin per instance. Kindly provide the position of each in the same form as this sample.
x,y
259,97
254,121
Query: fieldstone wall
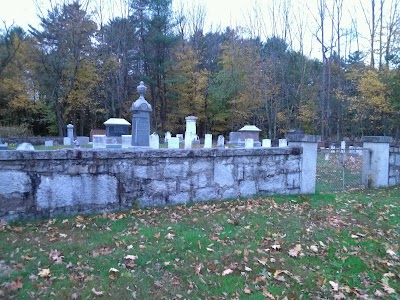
x,y
34,140
35,184
394,166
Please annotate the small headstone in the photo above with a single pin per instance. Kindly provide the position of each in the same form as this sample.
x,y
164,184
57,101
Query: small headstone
x,y
196,140
343,146
326,156
221,141
266,143
126,140
3,146
180,137
234,137
67,141
208,141
282,143
333,149
173,143
25,147
167,137
99,141
154,141
48,143
83,140
249,143
76,144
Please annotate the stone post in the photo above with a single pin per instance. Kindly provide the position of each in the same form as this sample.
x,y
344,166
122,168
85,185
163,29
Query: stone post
x,y
141,119
70,131
309,143
191,125
376,164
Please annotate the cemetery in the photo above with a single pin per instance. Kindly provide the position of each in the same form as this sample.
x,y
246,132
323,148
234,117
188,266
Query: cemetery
x,y
121,170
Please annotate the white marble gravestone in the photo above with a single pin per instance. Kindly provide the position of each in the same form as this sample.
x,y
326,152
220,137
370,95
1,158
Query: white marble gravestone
x,y
154,141
282,143
173,143
208,141
266,143
249,143
221,141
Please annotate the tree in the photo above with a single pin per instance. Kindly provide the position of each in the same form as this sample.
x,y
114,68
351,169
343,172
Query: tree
x,y
65,44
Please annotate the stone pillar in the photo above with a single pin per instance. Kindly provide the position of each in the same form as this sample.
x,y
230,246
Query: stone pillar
x,y
376,164
309,143
141,119
70,131
191,125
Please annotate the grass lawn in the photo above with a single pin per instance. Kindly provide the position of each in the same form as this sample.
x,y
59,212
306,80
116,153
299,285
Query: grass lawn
x,y
323,246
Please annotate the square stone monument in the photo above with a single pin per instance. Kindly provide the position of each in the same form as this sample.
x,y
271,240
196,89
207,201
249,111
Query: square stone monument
x,y
250,132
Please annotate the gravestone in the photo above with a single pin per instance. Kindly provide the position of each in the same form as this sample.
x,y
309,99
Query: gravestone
x,y
282,143
250,132
25,147
248,143
70,131
116,127
99,141
221,141
208,141
83,140
154,141
126,140
188,140
173,143
3,146
67,141
48,143
266,143
167,137
234,138
141,119
180,137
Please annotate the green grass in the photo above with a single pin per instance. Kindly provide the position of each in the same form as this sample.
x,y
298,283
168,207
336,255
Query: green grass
x,y
349,247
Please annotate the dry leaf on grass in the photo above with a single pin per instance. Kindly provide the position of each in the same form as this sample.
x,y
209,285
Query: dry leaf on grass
x,y
97,293
227,272
44,273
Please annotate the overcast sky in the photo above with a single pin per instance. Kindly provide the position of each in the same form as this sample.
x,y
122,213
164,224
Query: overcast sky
x,y
219,14
24,12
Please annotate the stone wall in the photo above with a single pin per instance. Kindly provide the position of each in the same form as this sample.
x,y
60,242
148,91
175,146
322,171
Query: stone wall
x,y
35,184
394,166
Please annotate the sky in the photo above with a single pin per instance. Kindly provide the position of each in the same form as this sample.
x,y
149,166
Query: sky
x,y
219,14
24,12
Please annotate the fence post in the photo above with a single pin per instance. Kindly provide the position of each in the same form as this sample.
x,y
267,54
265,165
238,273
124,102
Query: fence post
x,y
376,164
309,143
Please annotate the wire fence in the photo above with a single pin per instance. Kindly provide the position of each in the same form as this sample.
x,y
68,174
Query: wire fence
x,y
339,169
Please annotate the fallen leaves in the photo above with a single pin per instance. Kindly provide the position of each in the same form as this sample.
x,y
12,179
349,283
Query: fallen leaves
x,y
44,273
295,252
227,272
97,293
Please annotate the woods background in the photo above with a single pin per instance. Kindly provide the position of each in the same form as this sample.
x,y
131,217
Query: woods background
x,y
78,68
